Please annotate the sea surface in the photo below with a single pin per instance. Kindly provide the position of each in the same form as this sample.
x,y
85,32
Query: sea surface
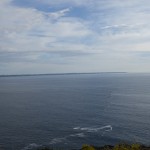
x,y
70,110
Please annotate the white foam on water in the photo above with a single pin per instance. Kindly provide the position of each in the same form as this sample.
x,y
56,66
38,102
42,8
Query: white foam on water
x,y
76,128
81,134
89,129
106,128
57,140
77,135
31,146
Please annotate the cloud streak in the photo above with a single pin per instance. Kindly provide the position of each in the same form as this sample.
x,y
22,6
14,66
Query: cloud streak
x,y
58,14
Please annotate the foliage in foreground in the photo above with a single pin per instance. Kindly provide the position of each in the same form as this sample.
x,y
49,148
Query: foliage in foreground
x,y
109,147
127,147
117,147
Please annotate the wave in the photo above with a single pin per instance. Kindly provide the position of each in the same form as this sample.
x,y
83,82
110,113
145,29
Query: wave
x,y
89,129
62,139
76,128
31,146
82,134
77,135
57,140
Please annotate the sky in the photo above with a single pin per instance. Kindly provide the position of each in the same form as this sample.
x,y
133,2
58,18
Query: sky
x,y
70,36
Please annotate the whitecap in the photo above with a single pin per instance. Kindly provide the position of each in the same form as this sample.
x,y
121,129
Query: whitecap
x,y
94,129
106,128
76,128
31,146
89,129
57,140
78,135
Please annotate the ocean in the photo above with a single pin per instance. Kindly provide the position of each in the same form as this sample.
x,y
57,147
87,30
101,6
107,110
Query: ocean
x,y
67,111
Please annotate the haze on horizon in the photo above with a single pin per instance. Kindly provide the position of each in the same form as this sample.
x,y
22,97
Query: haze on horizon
x,y
74,36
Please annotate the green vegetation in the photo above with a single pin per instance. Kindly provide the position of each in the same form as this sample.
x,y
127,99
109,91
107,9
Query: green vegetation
x,y
87,147
109,147
116,147
127,147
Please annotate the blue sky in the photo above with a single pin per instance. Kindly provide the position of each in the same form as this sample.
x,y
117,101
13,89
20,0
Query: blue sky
x,y
74,36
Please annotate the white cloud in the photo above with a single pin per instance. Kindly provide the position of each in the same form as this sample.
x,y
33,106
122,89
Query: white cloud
x,y
18,24
112,32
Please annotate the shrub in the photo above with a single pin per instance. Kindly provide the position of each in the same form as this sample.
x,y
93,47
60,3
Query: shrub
x,y
87,147
127,147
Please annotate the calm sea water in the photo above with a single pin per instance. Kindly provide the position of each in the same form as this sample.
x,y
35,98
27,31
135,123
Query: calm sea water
x,y
70,110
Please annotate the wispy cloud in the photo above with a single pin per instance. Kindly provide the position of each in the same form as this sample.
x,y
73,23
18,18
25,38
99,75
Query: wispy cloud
x,y
59,13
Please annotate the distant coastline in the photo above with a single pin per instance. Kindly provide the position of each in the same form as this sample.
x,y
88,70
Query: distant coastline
x,y
47,74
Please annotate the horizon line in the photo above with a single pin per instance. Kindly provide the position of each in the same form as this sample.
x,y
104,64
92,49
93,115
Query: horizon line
x,y
42,74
